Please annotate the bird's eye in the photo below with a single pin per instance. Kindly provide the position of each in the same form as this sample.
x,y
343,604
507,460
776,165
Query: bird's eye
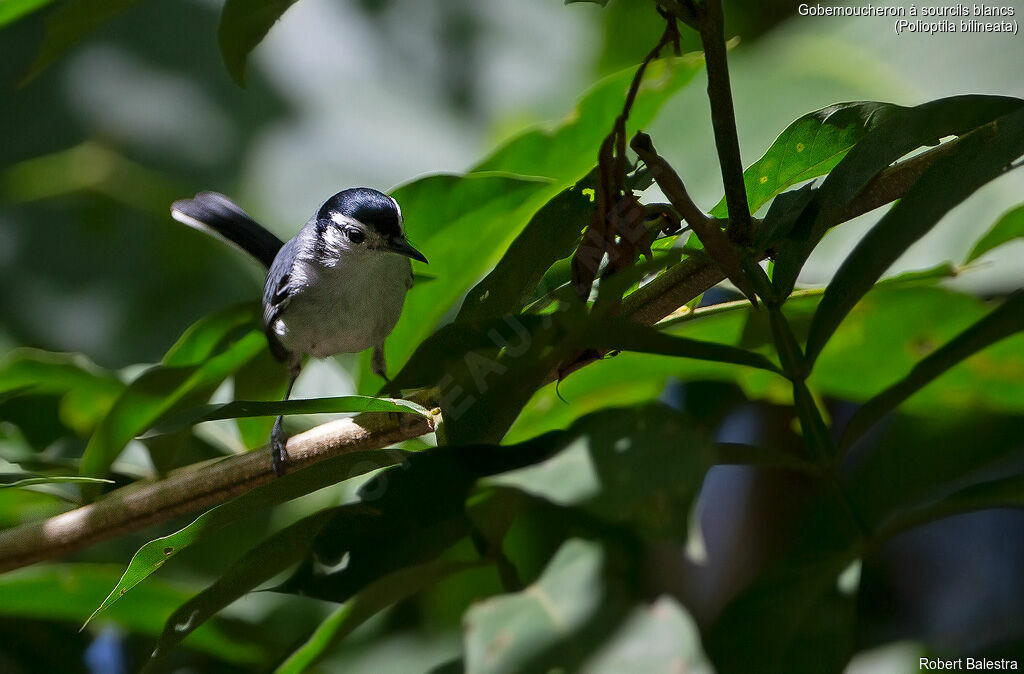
x,y
354,235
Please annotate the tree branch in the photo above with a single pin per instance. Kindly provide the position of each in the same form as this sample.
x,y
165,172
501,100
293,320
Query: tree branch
x,y
197,487
208,484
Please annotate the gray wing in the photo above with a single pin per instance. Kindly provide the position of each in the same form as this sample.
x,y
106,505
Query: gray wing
x,y
409,280
278,292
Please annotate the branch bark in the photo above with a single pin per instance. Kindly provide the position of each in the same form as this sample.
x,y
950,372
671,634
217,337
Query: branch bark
x,y
208,484
197,487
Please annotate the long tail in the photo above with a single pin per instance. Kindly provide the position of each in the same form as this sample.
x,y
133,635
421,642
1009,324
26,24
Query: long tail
x,y
215,213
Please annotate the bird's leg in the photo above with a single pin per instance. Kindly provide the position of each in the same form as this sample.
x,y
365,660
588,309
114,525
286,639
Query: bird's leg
x,y
278,442
378,364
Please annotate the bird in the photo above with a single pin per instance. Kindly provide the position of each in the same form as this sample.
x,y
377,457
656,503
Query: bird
x,y
338,286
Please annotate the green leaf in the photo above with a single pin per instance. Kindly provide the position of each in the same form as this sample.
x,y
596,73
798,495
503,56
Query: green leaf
x,y
401,519
1006,320
811,623
506,633
243,25
433,357
660,638
1008,227
208,335
17,480
978,158
626,335
67,25
260,564
1007,492
551,235
154,554
12,10
642,466
272,408
441,214
68,592
886,479
156,392
567,151
87,391
809,147
902,130
377,596
262,378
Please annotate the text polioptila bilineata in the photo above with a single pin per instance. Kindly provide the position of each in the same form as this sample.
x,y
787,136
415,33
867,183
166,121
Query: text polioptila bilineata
x,y
337,287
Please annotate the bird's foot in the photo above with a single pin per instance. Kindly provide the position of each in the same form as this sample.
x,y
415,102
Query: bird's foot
x,y
279,449
280,456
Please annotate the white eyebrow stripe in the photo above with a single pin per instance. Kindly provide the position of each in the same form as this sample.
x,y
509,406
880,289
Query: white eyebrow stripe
x,y
344,219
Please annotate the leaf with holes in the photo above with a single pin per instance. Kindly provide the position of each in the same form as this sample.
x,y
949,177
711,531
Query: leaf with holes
x,y
809,147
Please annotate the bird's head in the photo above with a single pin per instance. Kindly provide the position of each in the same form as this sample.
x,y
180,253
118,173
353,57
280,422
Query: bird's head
x,y
363,219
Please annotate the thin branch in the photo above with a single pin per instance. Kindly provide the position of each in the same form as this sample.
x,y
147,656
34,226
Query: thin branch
x,y
197,487
205,485
724,253
723,120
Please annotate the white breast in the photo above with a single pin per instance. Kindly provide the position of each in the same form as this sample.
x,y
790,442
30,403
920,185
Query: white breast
x,y
344,308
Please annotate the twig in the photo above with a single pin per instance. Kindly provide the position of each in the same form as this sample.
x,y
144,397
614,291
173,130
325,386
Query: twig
x,y
723,119
722,251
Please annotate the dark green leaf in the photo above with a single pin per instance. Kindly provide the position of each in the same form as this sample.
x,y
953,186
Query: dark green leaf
x,y
978,158
810,629
402,518
207,336
377,596
68,592
1007,492
67,25
156,392
1008,227
760,457
262,378
1006,320
272,408
642,466
88,391
153,555
809,147
551,235
260,564
432,357
627,335
243,25
901,131
441,214
958,449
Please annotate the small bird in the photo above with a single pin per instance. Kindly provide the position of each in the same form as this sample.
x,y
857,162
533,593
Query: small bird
x,y
337,287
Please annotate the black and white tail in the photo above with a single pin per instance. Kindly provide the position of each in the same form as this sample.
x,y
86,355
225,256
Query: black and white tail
x,y
215,213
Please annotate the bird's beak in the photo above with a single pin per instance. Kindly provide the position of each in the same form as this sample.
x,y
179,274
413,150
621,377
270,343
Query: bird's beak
x,y
402,247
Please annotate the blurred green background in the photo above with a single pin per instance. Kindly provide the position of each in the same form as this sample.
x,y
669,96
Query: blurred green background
x,y
377,93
